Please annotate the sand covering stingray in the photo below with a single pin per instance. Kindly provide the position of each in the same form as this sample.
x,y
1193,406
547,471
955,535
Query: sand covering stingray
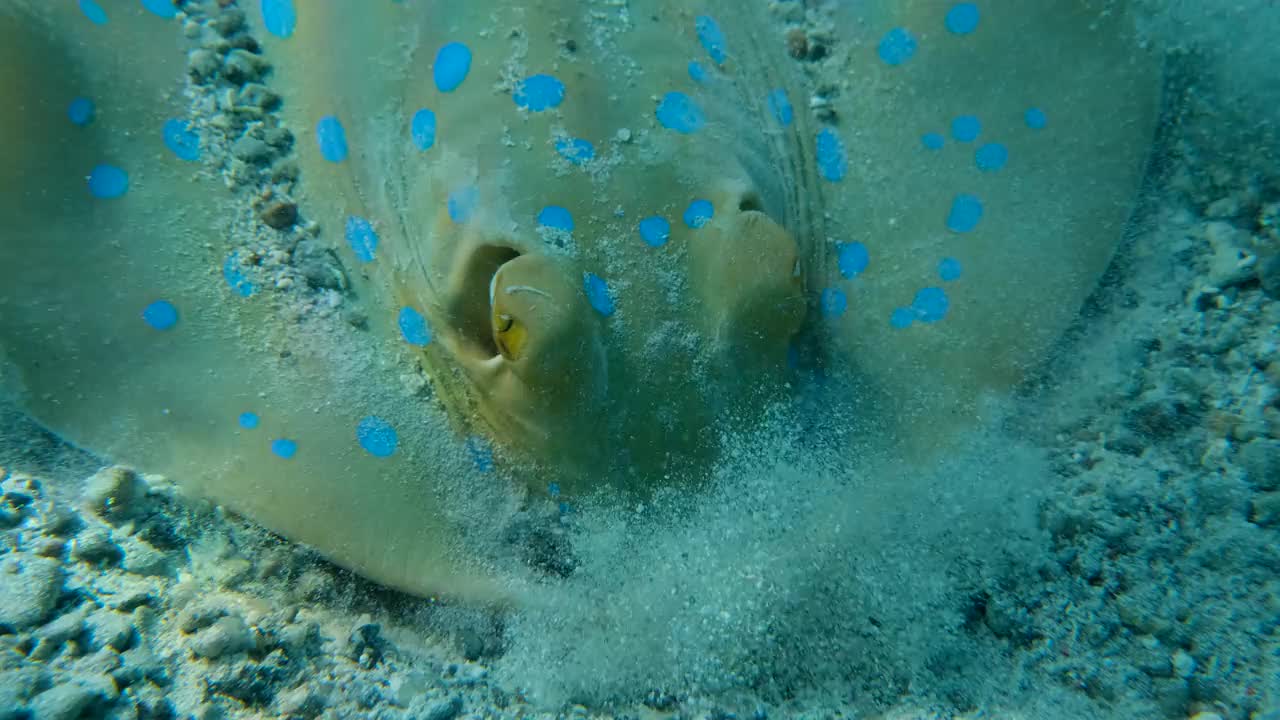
x,y
601,229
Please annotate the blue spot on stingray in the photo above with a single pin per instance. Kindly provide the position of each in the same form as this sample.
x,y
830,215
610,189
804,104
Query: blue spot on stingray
x,y
834,302
108,181
597,293
462,203
711,37
962,18
699,213
181,140
332,139
901,318
453,62
576,150
833,163
284,448
1036,119
94,12
697,72
781,106
933,141
897,46
413,326
481,454
655,231
539,92
930,304
161,315
80,111
235,277
422,128
966,128
163,8
249,420
556,217
966,211
991,157
553,489
279,17
362,238
949,269
676,111
852,258
377,436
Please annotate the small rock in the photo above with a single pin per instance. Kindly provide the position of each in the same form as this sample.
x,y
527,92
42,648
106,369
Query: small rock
x,y
228,22
623,135
111,629
114,493
95,547
257,95
1264,509
198,617
29,590
366,644
203,65
281,214
1268,272
443,709
53,548
52,636
69,700
301,702
1260,458
797,43
242,66
228,636
60,520
140,558
319,266
252,150
300,639
1184,666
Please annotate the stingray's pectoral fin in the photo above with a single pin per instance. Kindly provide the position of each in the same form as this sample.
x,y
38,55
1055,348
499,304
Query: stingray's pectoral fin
x,y
527,337
746,275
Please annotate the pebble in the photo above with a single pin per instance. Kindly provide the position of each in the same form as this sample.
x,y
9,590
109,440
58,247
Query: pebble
x,y
258,96
1268,272
114,493
301,702
443,709
242,66
281,214
227,636
95,546
1184,666
203,65
109,629
29,590
52,636
1260,459
69,700
252,150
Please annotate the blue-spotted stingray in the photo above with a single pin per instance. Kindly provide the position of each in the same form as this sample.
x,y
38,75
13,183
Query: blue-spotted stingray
x,y
339,265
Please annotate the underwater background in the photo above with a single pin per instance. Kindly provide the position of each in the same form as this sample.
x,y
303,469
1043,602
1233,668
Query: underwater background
x,y
640,359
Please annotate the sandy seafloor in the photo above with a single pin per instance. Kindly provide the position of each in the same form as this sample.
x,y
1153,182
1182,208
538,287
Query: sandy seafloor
x,y
1130,567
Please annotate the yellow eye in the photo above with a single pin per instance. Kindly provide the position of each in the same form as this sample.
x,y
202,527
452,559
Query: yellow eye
x,y
509,335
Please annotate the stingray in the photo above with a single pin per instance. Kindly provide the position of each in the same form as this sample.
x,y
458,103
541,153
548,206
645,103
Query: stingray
x,y
376,273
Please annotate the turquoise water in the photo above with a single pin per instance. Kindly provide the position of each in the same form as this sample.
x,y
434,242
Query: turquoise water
x,y
759,359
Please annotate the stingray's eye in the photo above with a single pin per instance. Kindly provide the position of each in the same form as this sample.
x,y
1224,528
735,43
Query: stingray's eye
x,y
509,335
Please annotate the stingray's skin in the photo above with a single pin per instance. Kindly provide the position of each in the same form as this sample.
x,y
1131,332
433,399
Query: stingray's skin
x,y
699,340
